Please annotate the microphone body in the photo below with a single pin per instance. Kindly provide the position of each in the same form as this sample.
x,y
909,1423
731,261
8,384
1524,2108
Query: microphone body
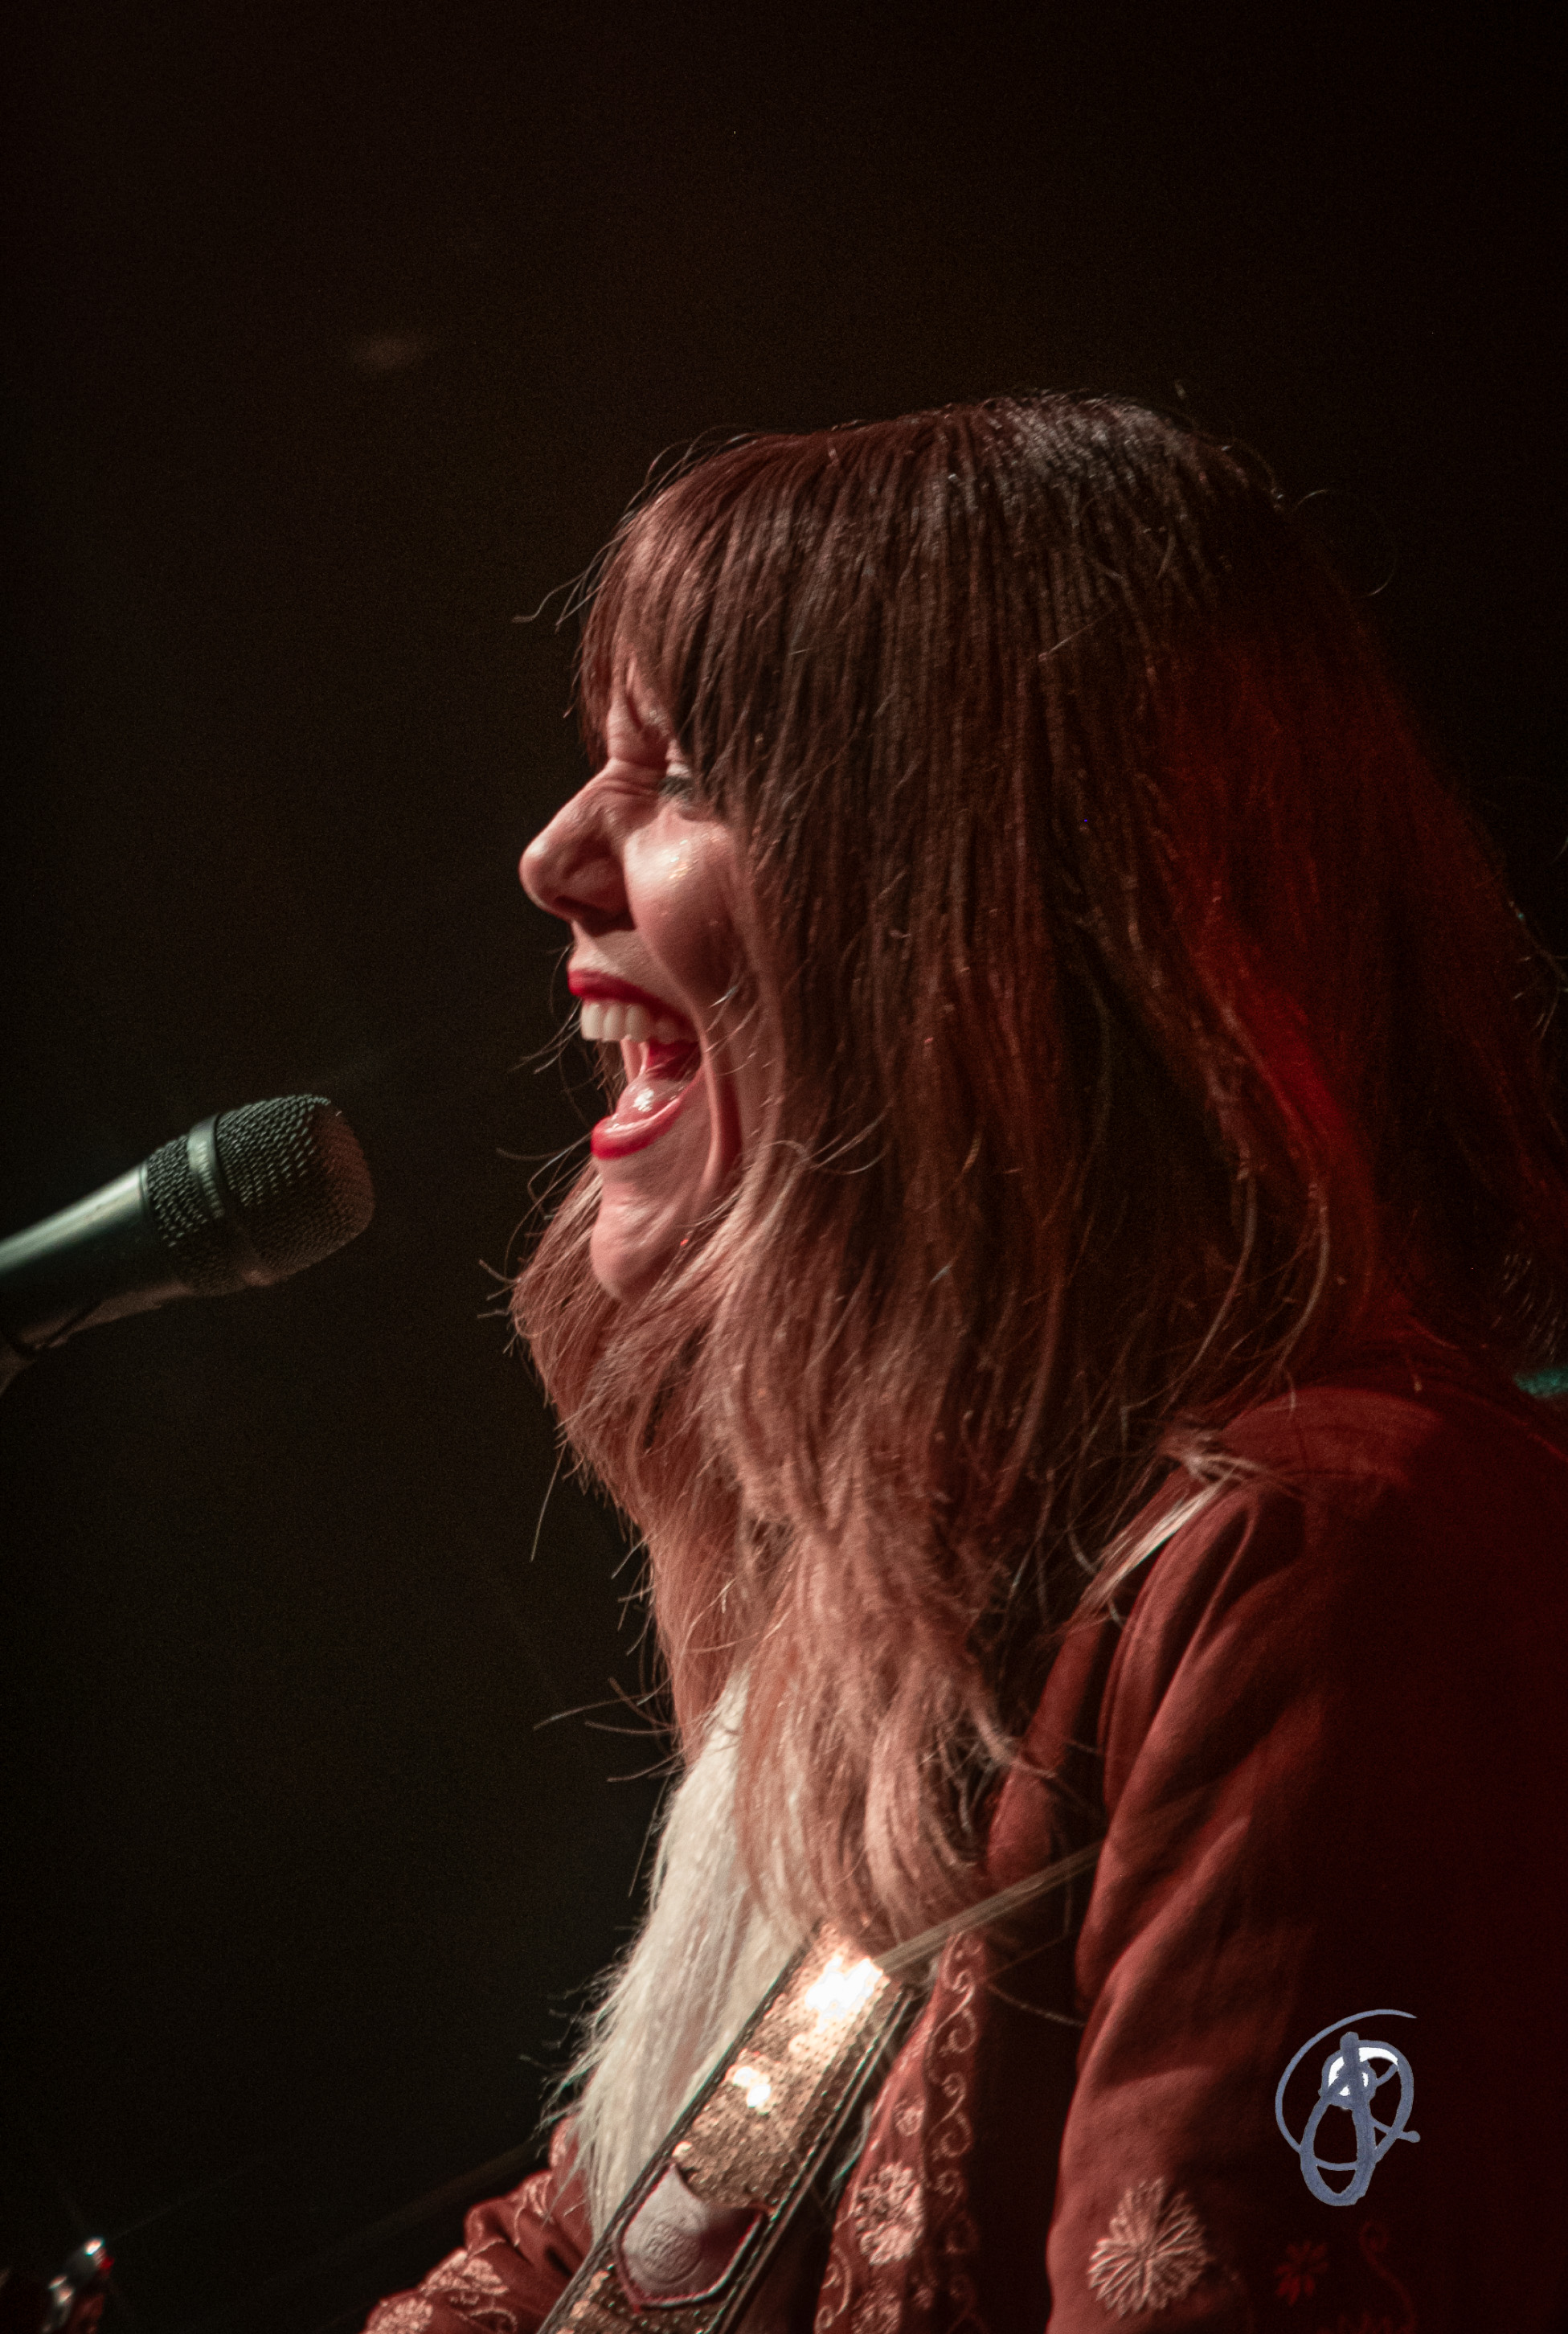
x,y
241,1201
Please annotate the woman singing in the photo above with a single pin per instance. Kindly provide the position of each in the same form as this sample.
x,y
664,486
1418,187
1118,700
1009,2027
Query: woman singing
x,y
1082,1187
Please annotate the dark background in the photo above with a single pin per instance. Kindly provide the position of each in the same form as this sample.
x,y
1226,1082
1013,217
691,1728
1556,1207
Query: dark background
x,y
340,335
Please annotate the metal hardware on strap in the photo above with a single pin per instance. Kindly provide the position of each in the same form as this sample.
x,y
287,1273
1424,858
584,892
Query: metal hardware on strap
x,y
752,2143
765,2129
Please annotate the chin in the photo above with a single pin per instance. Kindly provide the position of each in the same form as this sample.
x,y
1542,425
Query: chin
x,y
626,1277
649,1202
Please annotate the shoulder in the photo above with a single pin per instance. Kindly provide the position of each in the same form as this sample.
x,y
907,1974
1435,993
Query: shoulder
x,y
1413,1430
1402,1550
1334,1741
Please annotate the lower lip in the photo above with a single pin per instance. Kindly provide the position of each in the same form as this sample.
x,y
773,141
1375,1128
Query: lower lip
x,y
610,1139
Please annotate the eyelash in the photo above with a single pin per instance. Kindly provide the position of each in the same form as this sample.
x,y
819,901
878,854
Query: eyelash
x,y
676,783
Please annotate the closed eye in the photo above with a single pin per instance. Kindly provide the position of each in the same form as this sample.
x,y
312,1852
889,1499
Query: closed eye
x,y
676,784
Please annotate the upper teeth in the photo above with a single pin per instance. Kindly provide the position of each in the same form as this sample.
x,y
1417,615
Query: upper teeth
x,y
609,1023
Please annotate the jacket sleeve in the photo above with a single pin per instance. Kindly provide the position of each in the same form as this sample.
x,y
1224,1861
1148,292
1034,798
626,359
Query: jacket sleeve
x,y
518,2253
1332,1754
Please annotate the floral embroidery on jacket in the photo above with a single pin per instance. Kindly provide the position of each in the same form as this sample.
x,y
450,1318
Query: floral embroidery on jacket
x,y
532,2201
467,2282
952,2235
905,2238
405,2315
1303,2263
877,2314
1372,2244
1154,2252
888,2214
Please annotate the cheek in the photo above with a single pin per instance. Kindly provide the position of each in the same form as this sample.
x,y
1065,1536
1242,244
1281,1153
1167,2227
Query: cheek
x,y
688,892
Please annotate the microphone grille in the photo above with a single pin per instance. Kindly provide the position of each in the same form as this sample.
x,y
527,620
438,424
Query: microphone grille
x,y
298,1177
297,1180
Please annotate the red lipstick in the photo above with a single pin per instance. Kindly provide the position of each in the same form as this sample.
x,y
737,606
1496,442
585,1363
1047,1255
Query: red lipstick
x,y
631,1129
615,1138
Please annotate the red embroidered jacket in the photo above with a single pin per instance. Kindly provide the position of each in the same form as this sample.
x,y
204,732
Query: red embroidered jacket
x,y
1332,1744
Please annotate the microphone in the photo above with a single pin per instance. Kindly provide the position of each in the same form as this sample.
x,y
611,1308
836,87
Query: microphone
x,y
242,1201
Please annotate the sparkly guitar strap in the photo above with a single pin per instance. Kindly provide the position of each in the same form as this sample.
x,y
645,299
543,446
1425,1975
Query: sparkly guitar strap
x,y
774,2123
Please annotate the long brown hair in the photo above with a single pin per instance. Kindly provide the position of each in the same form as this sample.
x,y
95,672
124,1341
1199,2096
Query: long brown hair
x,y
1143,1011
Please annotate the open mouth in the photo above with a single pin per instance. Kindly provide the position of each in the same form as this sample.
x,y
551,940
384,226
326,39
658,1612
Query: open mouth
x,y
660,1078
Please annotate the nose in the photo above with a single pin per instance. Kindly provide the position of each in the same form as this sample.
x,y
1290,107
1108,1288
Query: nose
x,y
571,869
